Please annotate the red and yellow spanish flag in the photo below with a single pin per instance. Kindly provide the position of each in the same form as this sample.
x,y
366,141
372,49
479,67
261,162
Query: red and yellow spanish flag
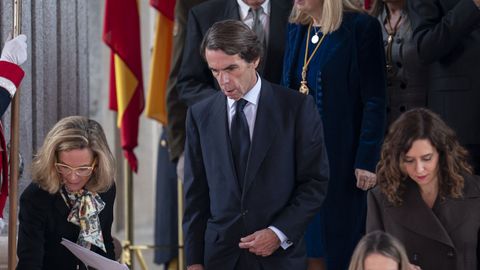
x,y
121,33
160,63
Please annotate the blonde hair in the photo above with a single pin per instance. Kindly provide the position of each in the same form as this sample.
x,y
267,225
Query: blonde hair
x,y
382,243
74,132
332,14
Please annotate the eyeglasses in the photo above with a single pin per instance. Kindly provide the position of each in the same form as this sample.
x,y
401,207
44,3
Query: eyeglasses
x,y
65,170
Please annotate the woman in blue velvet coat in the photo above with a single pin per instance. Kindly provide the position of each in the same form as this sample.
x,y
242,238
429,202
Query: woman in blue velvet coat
x,y
344,70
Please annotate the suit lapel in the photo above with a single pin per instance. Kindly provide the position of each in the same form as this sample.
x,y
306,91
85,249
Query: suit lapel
x,y
458,210
61,206
415,215
330,45
294,35
266,124
218,126
231,10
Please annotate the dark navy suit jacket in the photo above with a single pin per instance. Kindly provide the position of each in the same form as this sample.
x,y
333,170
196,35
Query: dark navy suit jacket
x,y
285,182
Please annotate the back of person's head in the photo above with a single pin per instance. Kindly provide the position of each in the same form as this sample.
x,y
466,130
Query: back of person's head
x,y
421,124
381,243
74,132
233,37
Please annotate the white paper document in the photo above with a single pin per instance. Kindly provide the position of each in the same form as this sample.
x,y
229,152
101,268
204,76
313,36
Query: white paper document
x,y
92,259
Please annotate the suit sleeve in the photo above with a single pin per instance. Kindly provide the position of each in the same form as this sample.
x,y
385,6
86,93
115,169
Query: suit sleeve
x,y
374,213
31,231
107,221
371,61
195,80
311,177
197,201
433,26
10,77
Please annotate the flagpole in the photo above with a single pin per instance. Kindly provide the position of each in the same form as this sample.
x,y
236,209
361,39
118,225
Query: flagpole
x,y
13,187
181,252
128,258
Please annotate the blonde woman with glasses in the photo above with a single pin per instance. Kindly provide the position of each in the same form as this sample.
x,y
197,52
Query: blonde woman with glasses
x,y
71,196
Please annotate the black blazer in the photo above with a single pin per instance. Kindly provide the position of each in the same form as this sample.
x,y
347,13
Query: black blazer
x,y
447,35
443,238
195,80
285,181
43,223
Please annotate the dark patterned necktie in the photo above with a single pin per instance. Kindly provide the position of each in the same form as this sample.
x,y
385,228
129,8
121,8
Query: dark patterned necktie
x,y
240,140
257,25
259,30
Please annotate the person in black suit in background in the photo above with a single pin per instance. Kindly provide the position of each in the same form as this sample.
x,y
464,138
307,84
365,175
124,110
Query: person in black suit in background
x,y
256,168
195,80
447,35
71,196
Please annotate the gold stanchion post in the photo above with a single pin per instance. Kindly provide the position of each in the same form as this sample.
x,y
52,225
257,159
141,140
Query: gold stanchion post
x,y
181,251
13,187
128,243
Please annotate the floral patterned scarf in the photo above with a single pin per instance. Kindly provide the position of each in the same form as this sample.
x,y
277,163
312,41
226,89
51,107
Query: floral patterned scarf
x,y
85,206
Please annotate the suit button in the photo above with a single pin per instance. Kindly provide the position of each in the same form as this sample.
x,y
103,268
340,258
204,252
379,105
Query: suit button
x,y
163,143
450,253
244,213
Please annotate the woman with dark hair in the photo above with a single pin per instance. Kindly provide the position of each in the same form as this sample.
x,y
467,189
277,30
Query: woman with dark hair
x,y
426,195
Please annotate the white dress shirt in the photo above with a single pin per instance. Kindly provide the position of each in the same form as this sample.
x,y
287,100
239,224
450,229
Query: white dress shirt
x,y
250,111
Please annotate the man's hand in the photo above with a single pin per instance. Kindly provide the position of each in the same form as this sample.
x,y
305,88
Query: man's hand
x,y
262,243
195,267
477,2
365,179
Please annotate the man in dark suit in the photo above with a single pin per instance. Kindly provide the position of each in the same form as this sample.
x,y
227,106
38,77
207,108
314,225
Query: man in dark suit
x,y
447,33
256,168
195,80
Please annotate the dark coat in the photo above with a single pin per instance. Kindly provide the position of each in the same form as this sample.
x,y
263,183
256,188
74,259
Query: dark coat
x,y
406,84
445,237
352,81
176,108
195,80
447,34
43,224
285,182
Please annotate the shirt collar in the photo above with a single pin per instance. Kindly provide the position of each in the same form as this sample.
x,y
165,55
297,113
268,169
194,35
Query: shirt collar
x,y
243,8
251,96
